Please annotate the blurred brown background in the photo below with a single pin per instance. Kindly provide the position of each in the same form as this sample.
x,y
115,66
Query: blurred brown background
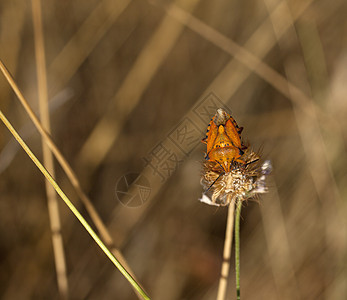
x,y
121,75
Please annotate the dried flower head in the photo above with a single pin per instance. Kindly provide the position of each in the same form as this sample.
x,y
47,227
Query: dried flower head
x,y
243,182
232,171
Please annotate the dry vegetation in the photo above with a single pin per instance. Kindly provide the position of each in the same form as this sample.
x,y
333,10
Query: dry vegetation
x,y
121,75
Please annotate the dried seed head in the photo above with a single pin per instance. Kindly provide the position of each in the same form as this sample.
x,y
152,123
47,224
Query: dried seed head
x,y
244,181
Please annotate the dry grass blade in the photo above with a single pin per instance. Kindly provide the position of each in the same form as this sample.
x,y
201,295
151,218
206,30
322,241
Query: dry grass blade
x,y
129,94
73,209
278,245
311,134
53,208
243,55
81,44
68,170
11,37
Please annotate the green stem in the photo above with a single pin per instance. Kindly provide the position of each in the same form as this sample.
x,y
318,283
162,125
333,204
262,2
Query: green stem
x,y
237,247
78,215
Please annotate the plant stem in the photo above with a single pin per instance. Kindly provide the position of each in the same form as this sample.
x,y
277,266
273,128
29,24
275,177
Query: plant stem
x,y
237,247
74,210
223,281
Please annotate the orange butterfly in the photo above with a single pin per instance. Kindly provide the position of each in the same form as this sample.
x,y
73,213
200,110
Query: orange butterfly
x,y
223,139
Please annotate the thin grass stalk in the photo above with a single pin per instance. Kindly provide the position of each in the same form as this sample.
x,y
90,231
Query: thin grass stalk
x,y
52,201
237,246
86,37
148,62
73,209
241,53
106,236
223,281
